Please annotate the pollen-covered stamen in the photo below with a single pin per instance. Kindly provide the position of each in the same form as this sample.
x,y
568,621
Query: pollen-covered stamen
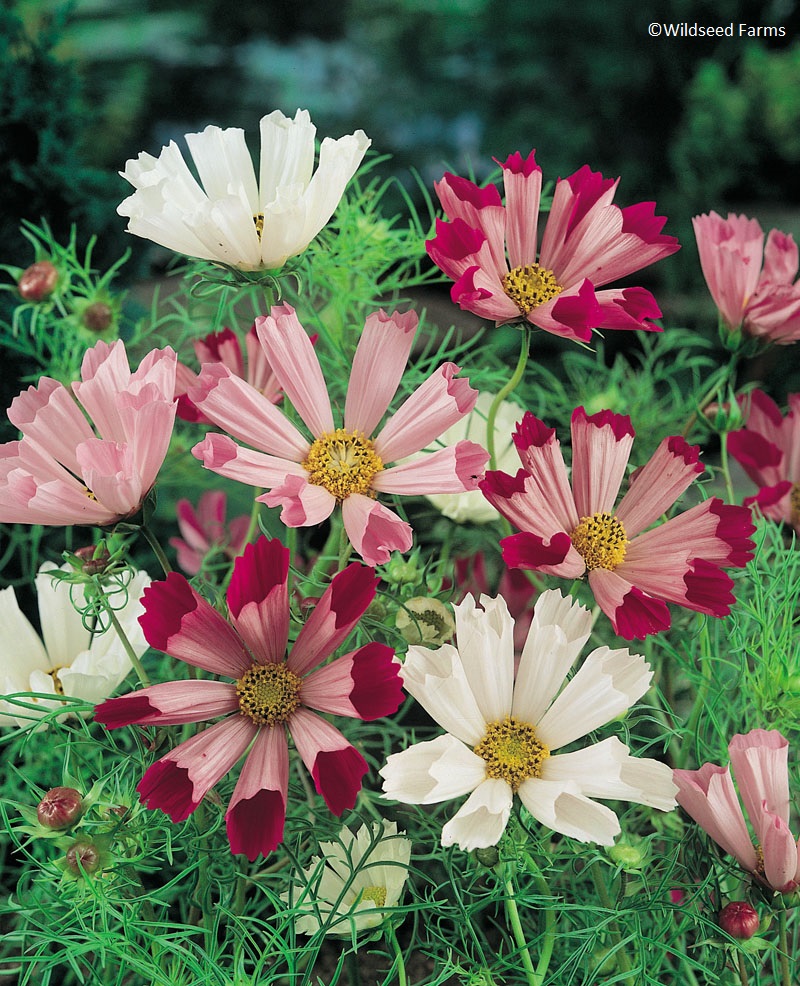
x,y
376,894
601,540
794,505
53,672
512,751
344,462
268,693
531,286
259,224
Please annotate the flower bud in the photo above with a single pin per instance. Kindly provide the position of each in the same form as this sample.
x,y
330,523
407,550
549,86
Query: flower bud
x,y
626,856
93,558
38,281
425,621
97,317
488,857
739,919
83,856
59,808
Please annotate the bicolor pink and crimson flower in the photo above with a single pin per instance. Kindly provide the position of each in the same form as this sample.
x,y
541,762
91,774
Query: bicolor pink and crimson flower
x,y
491,251
760,762
571,530
272,693
343,466
94,460
205,531
754,286
768,449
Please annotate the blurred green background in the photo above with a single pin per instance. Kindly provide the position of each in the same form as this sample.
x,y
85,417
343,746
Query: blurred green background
x,y
694,123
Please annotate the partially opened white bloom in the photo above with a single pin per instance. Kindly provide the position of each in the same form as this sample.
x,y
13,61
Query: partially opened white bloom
x,y
69,660
230,216
353,881
502,732
472,507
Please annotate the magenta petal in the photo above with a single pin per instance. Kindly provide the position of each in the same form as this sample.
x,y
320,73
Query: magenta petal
x,y
171,703
258,599
708,589
178,621
167,786
527,551
257,811
337,768
639,615
365,684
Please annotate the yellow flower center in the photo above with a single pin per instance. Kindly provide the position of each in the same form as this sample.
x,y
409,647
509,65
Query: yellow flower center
x,y
511,751
344,462
601,540
794,503
259,223
268,693
375,894
531,286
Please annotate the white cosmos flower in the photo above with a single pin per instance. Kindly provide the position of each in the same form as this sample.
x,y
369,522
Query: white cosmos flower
x,y
473,507
356,877
231,217
68,660
502,732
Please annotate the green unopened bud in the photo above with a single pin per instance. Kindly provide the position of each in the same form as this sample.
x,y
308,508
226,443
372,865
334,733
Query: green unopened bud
x,y
425,621
38,281
59,808
626,856
488,857
399,571
83,856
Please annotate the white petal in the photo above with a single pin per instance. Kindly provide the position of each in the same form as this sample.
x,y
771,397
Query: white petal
x,y
430,772
22,651
607,770
482,819
606,685
437,680
485,639
560,807
62,625
287,154
224,164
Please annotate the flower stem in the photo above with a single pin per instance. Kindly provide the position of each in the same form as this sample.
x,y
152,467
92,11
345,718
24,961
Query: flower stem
x,y
138,667
742,970
509,387
724,465
399,966
158,551
783,947
706,669
548,940
621,956
512,916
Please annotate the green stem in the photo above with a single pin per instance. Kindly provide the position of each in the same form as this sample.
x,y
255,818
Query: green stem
x,y
512,916
724,465
621,956
158,551
706,668
510,386
138,667
345,549
548,939
399,966
786,973
742,970
705,400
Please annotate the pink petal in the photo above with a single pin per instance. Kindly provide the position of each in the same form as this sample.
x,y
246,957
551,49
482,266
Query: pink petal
x,y
760,458
780,257
572,315
601,446
304,504
480,292
257,810
760,761
109,472
364,684
48,414
221,347
522,181
169,704
633,613
378,366
292,356
731,252
628,309
374,531
540,453
223,456
780,853
337,767
178,621
258,599
433,407
329,624
448,470
658,484
178,782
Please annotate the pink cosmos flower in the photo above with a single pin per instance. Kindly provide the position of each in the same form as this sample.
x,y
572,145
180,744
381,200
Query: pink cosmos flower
x,y
204,529
225,347
271,693
760,763
768,449
64,471
762,302
569,531
340,465
490,251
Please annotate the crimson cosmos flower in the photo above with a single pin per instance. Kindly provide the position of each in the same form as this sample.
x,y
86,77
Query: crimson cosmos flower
x,y
490,251
569,531
271,693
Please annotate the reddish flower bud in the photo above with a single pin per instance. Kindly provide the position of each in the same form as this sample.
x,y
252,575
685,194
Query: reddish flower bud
x,y
83,855
60,807
38,281
97,317
92,565
739,919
